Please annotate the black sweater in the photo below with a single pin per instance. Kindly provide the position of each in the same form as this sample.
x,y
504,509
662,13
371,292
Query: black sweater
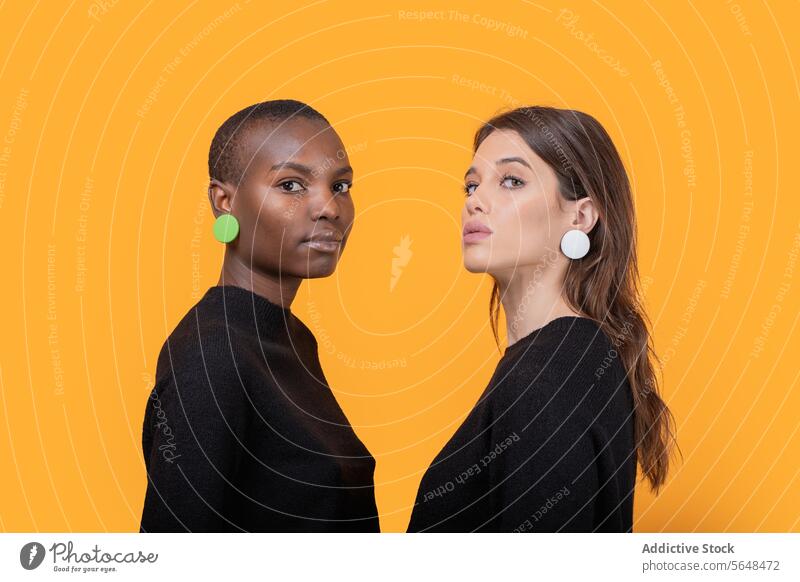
x,y
242,432
548,447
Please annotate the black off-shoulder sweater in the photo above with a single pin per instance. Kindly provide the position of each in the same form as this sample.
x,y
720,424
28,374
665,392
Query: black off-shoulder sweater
x,y
548,447
242,432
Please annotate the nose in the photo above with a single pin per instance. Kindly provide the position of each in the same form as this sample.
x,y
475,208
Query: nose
x,y
325,205
476,204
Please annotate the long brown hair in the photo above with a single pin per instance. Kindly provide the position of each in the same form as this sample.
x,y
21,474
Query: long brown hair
x,y
604,284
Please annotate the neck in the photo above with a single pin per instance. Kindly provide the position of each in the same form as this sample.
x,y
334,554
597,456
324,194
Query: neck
x,y
531,298
280,290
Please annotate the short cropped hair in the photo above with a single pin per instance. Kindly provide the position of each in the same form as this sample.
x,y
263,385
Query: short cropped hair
x,y
227,158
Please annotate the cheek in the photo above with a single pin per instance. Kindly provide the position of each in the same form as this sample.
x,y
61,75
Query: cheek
x,y
267,215
537,221
347,210
529,230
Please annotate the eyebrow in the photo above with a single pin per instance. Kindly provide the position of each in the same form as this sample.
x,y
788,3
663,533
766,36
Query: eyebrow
x,y
500,162
303,169
512,160
343,170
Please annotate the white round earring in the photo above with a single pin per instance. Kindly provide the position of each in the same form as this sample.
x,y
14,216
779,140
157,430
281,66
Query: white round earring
x,y
575,244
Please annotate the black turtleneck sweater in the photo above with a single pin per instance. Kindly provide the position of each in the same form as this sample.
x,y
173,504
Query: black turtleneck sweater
x,y
548,447
242,432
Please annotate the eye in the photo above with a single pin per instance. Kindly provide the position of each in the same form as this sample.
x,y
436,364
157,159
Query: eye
x,y
342,187
512,182
469,188
290,186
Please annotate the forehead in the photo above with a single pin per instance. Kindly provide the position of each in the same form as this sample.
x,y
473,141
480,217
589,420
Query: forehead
x,y
300,140
503,143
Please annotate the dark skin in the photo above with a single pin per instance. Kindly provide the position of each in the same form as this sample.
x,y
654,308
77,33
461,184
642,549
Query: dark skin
x,y
293,206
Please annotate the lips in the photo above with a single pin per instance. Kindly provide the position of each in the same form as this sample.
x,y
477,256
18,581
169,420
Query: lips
x,y
475,231
325,241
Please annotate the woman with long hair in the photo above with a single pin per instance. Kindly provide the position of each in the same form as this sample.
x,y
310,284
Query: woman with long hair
x,y
554,440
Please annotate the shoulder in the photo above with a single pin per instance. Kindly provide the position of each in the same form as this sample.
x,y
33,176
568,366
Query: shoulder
x,y
200,386
194,344
203,358
574,346
566,346
581,332
565,367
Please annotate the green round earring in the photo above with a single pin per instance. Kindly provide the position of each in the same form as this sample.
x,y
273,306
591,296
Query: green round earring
x,y
226,228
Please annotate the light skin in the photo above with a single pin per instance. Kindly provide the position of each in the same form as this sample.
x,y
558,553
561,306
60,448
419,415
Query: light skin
x,y
515,193
293,205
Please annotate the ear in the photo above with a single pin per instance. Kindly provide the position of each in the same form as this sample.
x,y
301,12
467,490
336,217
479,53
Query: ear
x,y
220,194
584,214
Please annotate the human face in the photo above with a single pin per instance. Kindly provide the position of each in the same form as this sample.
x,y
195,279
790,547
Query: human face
x,y
293,203
514,215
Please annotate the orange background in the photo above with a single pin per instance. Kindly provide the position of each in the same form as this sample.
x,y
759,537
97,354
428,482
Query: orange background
x,y
106,115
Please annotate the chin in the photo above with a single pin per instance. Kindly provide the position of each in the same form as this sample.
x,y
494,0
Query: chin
x,y
320,268
476,261
474,266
